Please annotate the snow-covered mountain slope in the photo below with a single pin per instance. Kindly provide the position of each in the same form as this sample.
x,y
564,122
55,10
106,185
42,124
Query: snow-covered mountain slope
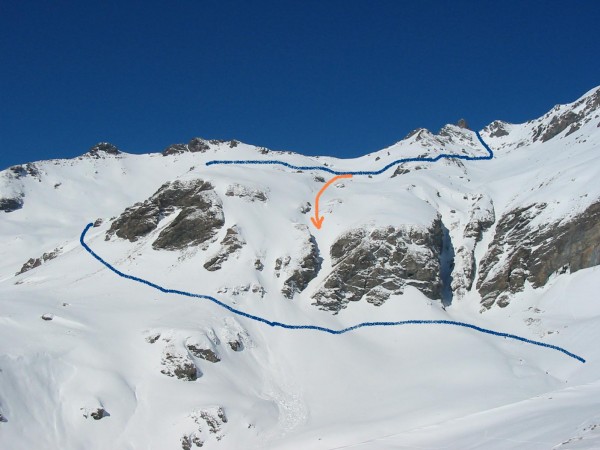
x,y
90,359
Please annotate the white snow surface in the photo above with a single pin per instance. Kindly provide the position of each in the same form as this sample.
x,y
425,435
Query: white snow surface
x,y
426,387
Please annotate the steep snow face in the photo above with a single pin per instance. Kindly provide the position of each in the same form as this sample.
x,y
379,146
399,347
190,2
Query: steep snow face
x,y
90,360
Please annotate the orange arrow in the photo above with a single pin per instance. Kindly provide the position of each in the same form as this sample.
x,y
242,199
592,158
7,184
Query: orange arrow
x,y
318,221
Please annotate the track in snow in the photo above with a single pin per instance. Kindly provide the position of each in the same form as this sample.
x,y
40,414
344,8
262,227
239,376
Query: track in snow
x,y
490,155
315,327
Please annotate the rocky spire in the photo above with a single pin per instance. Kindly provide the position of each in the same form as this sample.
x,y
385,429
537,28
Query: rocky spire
x,y
462,123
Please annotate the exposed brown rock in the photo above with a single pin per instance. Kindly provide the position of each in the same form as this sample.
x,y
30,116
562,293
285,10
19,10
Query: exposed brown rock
x,y
521,252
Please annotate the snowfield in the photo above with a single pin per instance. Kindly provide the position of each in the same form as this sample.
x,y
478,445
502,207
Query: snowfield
x,y
90,360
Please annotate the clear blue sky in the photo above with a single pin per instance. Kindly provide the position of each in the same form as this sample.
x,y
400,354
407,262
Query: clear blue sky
x,y
319,77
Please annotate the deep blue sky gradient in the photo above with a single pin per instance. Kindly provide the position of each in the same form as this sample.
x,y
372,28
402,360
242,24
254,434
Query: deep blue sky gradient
x,y
331,77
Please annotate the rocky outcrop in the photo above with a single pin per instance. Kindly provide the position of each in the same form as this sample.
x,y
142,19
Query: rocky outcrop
x,y
419,133
196,145
184,355
305,208
11,204
482,216
248,194
573,118
174,149
189,439
32,263
302,268
497,129
212,419
152,338
178,365
522,251
102,149
235,335
462,123
13,198
204,347
243,289
206,354
193,226
23,170
401,169
94,413
557,125
378,263
231,243
199,219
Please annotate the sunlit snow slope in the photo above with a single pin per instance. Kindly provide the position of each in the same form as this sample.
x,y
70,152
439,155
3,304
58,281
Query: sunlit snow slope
x,y
91,360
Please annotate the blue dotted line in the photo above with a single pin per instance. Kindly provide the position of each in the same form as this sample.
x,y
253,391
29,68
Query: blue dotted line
x,y
314,327
490,155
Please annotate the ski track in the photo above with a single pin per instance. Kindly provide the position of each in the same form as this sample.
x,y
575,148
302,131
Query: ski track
x,y
489,156
315,327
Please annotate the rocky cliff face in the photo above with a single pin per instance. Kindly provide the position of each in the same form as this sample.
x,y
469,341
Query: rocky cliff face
x,y
522,252
375,264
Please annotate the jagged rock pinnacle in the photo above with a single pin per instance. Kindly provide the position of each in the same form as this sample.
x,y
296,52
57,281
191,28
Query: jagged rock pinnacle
x,y
462,123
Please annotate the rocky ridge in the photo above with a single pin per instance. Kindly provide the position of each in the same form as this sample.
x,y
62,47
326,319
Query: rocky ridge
x,y
196,145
